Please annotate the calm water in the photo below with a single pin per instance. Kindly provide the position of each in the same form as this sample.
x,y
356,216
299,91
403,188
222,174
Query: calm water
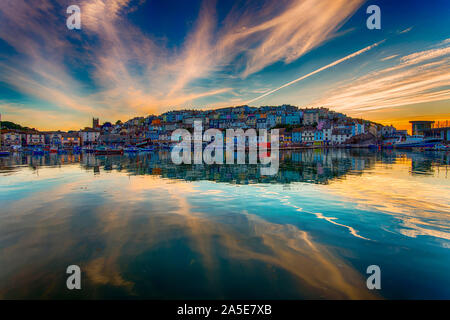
x,y
141,227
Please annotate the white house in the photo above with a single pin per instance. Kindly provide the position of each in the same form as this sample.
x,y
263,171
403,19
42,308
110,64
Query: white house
x,y
89,137
11,139
35,139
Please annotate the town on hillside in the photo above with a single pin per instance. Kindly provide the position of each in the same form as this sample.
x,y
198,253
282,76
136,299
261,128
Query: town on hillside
x,y
298,128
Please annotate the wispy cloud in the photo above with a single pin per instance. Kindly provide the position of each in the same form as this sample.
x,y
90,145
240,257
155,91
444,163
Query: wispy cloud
x,y
406,30
354,54
126,71
390,57
422,76
298,28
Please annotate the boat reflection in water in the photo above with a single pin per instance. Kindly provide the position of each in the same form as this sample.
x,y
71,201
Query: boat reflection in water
x,y
141,227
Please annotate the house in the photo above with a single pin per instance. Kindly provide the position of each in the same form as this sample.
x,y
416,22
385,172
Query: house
x,y
285,137
271,120
280,119
318,136
327,130
387,131
169,126
308,135
323,113
297,135
310,116
251,121
293,118
156,121
11,138
88,136
152,135
192,120
53,138
35,139
340,135
112,139
358,128
261,123
70,139
165,136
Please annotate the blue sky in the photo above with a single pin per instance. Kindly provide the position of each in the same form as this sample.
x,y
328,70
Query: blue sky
x,y
133,58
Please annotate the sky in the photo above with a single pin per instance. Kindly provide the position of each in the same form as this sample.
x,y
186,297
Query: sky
x,y
138,57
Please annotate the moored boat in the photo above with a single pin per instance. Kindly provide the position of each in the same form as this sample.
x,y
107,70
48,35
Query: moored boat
x,y
38,152
439,147
102,150
88,149
146,149
417,141
131,150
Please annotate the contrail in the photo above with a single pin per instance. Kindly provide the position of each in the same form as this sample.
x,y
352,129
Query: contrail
x,y
357,53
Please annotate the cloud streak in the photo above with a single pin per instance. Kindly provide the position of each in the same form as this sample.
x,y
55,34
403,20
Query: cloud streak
x,y
420,77
348,57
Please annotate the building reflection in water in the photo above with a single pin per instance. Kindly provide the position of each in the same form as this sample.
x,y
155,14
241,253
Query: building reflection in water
x,y
312,166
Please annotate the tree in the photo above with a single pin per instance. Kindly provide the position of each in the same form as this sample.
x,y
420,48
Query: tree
x,y
12,125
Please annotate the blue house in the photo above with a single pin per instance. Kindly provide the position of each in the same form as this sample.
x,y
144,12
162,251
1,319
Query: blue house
x,y
297,135
318,135
292,118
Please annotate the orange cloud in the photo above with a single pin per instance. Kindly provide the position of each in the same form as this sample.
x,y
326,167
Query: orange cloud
x,y
134,73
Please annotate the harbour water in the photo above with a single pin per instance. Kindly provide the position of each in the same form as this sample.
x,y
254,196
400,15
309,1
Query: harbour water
x,y
141,227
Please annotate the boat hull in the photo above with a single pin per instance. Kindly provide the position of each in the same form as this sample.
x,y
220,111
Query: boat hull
x,y
108,152
416,145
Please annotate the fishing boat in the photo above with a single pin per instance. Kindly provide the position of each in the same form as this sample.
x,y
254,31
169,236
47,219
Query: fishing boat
x,y
131,150
439,147
102,150
53,150
4,153
146,149
38,152
417,141
88,149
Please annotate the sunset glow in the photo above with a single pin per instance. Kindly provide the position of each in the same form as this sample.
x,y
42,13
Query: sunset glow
x,y
133,58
